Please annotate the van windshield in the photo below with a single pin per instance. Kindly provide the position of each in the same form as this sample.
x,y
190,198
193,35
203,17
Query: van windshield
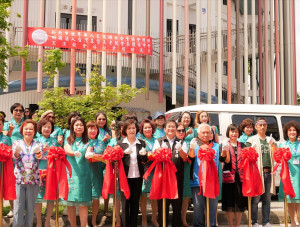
x,y
271,121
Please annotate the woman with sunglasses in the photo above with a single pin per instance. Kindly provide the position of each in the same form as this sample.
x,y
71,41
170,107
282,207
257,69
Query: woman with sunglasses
x,y
45,128
104,136
27,114
187,122
147,129
71,117
12,130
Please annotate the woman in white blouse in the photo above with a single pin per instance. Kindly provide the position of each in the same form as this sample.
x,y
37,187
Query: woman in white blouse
x,y
135,156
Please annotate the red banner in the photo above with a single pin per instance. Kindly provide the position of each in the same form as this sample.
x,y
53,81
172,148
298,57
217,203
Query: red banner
x,y
76,39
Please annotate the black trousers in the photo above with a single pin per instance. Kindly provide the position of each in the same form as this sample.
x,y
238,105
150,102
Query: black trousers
x,y
130,207
176,205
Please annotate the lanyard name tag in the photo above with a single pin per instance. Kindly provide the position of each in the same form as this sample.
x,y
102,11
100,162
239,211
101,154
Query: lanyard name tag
x,y
295,162
28,165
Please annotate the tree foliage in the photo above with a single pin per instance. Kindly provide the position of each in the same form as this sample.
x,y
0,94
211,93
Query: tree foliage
x,y
6,50
103,98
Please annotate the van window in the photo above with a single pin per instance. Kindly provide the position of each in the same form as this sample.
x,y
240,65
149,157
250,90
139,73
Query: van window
x,y
271,121
286,119
214,120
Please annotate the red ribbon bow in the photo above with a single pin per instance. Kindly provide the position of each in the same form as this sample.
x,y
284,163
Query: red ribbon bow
x,y
210,179
114,154
164,182
9,188
252,184
281,156
57,166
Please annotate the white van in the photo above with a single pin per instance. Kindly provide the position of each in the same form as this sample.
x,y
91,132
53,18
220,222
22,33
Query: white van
x,y
222,115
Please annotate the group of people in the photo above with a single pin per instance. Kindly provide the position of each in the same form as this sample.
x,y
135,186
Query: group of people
x,y
31,140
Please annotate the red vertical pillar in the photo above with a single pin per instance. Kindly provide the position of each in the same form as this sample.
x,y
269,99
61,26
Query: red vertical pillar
x,y
73,54
24,43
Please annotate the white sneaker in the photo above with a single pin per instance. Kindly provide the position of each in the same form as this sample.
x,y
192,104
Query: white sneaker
x,y
255,225
267,225
10,214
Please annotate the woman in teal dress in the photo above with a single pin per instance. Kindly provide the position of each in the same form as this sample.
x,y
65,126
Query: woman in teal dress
x,y
3,139
78,152
116,137
104,136
12,130
147,128
291,131
187,123
45,128
66,132
246,128
96,168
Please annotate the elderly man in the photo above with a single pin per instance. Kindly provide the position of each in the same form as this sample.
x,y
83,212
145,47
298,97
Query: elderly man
x,y
205,135
263,146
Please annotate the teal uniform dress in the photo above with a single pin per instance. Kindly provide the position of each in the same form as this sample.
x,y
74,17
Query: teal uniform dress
x,y
187,192
16,135
113,142
56,132
146,186
80,185
66,135
294,166
5,139
52,142
96,169
159,133
243,138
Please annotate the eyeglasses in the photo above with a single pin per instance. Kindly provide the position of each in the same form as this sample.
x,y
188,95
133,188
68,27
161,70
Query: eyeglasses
x,y
18,110
180,130
51,117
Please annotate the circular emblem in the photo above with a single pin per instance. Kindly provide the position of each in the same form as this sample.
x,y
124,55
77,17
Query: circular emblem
x,y
39,36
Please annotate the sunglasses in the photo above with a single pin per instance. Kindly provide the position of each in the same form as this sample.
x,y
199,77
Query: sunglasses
x,y
180,130
101,119
50,117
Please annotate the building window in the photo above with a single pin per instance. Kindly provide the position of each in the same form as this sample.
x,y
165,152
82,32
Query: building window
x,y
170,34
225,2
81,22
225,68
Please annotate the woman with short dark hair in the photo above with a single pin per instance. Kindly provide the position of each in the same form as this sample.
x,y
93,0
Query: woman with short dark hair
x,y
147,129
291,130
27,152
246,128
12,128
45,128
135,156
233,201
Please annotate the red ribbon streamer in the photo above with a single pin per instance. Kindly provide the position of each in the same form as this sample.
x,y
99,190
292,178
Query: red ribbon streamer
x,y
115,155
57,166
164,182
252,184
210,179
281,156
9,188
